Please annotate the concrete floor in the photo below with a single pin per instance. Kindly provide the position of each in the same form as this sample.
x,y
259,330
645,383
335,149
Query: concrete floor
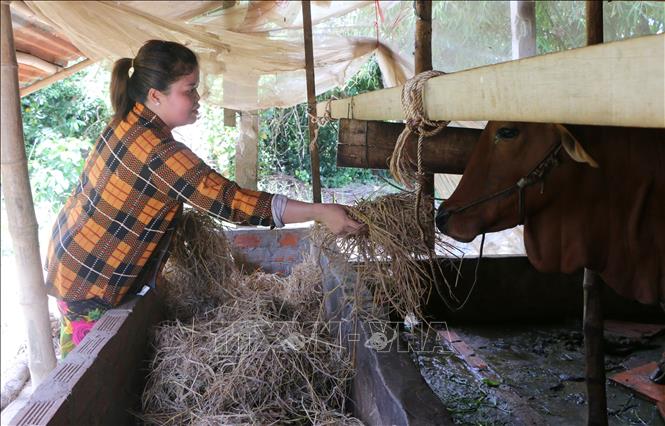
x,y
539,375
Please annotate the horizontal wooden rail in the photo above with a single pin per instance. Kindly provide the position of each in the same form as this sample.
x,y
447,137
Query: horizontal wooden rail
x,y
369,145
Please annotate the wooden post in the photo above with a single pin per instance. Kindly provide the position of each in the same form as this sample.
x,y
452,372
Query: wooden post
x,y
229,117
247,143
21,213
523,28
594,22
247,150
593,308
311,100
593,347
423,62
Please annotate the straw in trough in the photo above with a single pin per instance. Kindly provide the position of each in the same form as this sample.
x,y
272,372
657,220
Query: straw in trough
x,y
261,355
392,259
200,259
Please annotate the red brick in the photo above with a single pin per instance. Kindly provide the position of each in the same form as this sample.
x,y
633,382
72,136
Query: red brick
x,y
290,239
247,241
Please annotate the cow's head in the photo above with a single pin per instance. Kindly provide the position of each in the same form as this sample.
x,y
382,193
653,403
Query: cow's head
x,y
506,165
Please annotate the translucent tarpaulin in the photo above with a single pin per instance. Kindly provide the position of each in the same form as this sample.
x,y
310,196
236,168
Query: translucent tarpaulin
x,y
249,58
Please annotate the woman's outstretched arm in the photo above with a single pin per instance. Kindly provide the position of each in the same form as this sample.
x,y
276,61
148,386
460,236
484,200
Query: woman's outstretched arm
x,y
333,216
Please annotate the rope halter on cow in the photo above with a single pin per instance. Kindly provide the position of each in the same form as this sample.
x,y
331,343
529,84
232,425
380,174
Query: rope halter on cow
x,y
416,122
537,174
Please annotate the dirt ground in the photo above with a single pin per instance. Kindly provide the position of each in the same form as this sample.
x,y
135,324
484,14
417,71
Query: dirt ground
x,y
539,375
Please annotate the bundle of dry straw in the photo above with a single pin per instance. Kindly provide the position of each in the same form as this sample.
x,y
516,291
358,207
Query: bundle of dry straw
x,y
262,355
200,260
392,259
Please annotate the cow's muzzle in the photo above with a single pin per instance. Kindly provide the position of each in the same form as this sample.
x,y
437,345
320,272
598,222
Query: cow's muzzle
x,y
537,174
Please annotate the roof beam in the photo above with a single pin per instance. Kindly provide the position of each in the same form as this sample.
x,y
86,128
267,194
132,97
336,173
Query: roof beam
x,y
56,77
612,84
35,62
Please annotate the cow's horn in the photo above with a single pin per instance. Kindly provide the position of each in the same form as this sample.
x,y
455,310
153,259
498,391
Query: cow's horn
x,y
574,148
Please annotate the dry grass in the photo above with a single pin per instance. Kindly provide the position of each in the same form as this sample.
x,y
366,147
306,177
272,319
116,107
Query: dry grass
x,y
200,259
393,260
262,355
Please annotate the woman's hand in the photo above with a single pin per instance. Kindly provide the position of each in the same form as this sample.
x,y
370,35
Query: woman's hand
x,y
333,216
336,219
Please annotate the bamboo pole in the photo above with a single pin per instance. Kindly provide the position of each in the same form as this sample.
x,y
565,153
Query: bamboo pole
x,y
311,101
21,214
593,284
56,77
423,62
611,84
35,62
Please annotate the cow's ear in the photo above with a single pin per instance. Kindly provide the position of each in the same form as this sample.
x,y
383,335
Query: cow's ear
x,y
574,148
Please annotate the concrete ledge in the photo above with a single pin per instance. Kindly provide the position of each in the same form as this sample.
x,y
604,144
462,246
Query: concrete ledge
x,y
387,388
101,380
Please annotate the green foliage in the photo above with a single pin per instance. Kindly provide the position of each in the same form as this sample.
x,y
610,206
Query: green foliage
x,y
55,169
220,141
561,24
60,124
284,144
62,110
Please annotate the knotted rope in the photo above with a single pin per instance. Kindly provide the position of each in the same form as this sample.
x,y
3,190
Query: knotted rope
x,y
416,122
320,122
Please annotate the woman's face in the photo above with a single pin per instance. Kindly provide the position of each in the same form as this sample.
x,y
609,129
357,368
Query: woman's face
x,y
180,106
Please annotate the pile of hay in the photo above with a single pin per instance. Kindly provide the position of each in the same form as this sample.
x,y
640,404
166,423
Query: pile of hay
x,y
199,261
392,259
262,355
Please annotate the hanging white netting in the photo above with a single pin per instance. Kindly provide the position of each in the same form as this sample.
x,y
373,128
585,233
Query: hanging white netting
x,y
251,54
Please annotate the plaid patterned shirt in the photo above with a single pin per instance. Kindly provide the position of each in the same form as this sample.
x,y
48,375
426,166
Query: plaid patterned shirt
x,y
132,186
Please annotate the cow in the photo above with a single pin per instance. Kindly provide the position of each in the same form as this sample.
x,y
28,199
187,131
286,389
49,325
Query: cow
x,y
588,196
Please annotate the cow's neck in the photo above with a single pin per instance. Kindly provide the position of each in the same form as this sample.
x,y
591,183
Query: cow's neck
x,y
616,232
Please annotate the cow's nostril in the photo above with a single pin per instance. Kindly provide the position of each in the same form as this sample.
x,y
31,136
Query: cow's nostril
x,y
442,216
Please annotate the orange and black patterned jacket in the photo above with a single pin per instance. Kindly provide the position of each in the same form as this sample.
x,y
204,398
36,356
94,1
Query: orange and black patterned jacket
x,y
132,186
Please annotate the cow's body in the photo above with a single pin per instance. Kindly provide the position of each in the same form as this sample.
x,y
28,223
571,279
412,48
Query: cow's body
x,y
610,219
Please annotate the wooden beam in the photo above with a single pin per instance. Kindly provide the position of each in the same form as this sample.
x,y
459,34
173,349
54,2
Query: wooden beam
x,y
21,212
56,77
611,84
311,100
369,145
523,28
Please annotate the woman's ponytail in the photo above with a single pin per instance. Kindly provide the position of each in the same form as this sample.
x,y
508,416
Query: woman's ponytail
x,y
120,98
157,65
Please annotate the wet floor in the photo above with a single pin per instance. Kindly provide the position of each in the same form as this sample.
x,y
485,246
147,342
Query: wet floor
x,y
538,375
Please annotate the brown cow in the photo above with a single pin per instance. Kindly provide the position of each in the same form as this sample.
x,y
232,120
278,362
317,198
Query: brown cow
x,y
591,197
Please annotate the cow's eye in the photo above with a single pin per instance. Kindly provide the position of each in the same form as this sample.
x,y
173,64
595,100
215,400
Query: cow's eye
x,y
507,133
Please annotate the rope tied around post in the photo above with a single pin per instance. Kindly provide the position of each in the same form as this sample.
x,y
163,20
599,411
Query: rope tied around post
x,y
321,121
416,122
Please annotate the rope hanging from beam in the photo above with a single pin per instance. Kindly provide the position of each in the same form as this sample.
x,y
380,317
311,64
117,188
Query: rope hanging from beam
x,y
418,123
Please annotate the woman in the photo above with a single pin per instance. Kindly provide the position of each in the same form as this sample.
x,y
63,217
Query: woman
x,y
112,233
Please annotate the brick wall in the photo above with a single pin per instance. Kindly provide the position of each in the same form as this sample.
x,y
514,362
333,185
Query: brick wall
x,y
273,251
